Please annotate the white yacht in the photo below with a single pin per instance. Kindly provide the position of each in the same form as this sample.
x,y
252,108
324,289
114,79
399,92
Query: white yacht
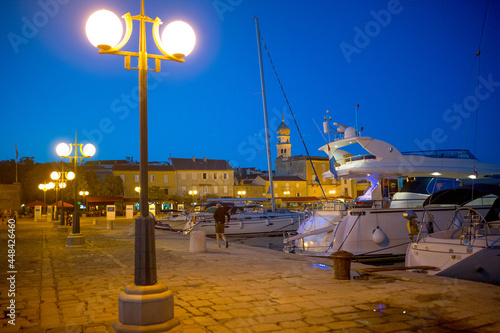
x,y
373,225
171,219
468,249
246,218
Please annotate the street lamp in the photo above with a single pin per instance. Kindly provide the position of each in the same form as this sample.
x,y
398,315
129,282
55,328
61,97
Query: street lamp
x,y
65,150
84,195
45,188
193,193
177,41
286,192
59,178
241,193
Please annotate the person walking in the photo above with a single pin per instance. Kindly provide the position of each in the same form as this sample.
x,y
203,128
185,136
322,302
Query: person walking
x,y
220,220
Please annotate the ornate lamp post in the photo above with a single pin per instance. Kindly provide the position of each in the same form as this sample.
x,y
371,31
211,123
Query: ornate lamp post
x,y
59,178
45,188
193,193
84,195
138,304
64,150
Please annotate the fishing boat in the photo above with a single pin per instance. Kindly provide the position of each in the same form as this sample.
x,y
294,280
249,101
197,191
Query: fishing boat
x,y
247,218
469,248
373,226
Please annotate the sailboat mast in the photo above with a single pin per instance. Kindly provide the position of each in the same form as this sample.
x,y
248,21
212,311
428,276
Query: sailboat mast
x,y
269,165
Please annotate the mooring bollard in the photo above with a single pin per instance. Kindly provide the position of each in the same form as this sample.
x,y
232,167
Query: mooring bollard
x,y
197,241
109,224
94,221
342,265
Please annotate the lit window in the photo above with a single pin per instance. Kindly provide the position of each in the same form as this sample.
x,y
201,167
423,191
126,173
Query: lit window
x,y
165,178
136,178
225,189
183,176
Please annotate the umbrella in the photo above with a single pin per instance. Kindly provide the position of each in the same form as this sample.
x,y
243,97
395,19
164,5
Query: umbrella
x,y
59,204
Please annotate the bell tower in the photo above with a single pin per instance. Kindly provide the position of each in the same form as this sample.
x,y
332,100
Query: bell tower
x,y
283,145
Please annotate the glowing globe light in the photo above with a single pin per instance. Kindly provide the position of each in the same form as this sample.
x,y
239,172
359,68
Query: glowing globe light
x,y
104,29
89,150
70,175
178,38
54,175
41,186
63,149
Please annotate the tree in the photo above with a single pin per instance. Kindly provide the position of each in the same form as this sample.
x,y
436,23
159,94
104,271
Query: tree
x,y
157,195
113,186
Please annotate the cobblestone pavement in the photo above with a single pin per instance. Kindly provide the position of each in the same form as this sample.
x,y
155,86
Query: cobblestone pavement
x,y
239,289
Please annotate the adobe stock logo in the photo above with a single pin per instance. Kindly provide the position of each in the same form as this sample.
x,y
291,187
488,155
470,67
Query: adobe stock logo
x,y
372,29
222,6
30,27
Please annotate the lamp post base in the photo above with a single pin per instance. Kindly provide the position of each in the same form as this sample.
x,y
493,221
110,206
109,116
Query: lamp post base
x,y
75,241
146,309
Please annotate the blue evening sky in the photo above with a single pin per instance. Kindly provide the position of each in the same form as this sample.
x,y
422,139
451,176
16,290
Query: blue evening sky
x,y
411,65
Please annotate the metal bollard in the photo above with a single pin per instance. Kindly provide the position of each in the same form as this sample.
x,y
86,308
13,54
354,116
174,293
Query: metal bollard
x,y
109,225
342,265
94,222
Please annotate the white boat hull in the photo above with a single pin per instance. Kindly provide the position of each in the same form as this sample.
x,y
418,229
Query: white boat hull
x,y
271,224
454,259
354,233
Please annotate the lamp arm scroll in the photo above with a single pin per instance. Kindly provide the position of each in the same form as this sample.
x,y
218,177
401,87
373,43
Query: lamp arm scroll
x,y
128,32
156,37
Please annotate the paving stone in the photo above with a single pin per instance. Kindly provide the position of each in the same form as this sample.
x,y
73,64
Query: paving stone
x,y
242,289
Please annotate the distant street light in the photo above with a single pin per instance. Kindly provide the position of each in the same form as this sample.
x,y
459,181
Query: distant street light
x,y
84,195
241,193
286,192
193,193
60,178
64,150
45,188
104,31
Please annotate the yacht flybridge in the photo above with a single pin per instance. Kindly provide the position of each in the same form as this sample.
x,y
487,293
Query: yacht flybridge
x,y
373,225
385,161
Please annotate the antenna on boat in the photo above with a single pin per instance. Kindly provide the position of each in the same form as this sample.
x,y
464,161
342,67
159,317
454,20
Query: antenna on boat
x,y
326,126
356,114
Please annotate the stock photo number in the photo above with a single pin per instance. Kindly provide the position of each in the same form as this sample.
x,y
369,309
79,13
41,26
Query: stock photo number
x,y
11,272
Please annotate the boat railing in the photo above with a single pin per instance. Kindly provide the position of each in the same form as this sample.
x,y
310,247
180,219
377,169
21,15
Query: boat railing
x,y
386,204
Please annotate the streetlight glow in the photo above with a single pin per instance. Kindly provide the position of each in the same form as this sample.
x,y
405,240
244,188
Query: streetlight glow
x,y
63,149
178,38
89,150
54,175
70,175
104,29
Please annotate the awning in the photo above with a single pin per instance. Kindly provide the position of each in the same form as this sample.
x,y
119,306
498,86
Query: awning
x,y
35,203
66,205
103,200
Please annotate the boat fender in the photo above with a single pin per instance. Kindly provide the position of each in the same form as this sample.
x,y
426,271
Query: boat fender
x,y
378,235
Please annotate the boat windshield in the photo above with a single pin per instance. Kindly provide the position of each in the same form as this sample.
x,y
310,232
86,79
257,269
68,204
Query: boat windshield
x,y
448,153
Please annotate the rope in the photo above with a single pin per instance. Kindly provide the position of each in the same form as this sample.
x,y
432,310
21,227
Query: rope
x,y
290,108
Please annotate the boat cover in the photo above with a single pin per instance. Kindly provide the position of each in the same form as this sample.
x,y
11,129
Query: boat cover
x,y
457,196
